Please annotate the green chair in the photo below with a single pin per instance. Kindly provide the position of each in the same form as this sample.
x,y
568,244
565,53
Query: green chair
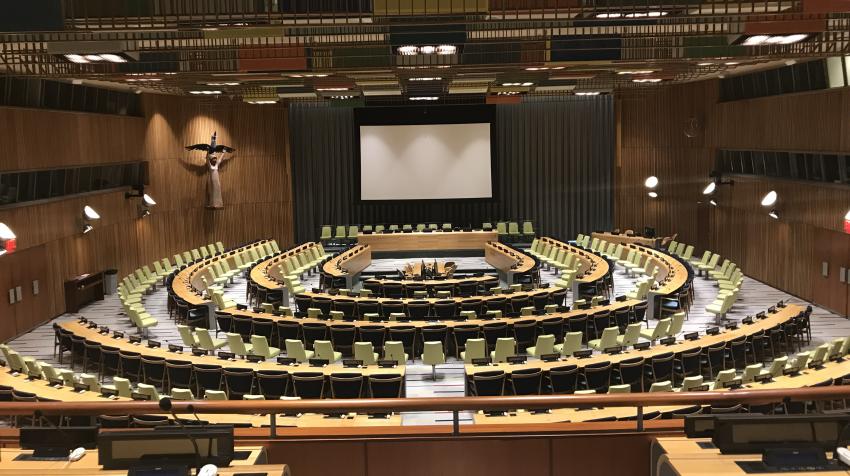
x,y
420,227
237,345
513,230
249,396
393,228
572,343
340,233
505,347
206,342
324,350
624,388
475,349
528,229
365,352
182,394
352,232
121,386
261,347
327,233
486,226
379,228
433,354
187,336
607,340
394,350
447,227
295,350
657,332
631,336
501,228
215,395
691,382
149,390
545,345
663,386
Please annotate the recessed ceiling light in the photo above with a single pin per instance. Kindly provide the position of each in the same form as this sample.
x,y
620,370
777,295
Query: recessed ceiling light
x,y
424,98
427,78
408,50
90,213
93,57
507,93
588,93
639,71
774,214
731,63
653,14
222,84
446,49
608,15
536,68
647,80
113,58
331,89
76,58
262,101
757,40
705,64
342,97
427,50
206,91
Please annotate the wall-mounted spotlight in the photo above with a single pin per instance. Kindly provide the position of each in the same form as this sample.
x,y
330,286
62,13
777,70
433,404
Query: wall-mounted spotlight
x,y
709,189
89,215
653,194
716,181
774,214
8,240
651,182
769,199
146,203
713,202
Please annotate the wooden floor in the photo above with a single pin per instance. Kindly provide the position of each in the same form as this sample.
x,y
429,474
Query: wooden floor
x,y
755,296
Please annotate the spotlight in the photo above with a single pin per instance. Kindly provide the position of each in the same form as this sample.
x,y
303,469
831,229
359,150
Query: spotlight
x,y
652,195
846,217
774,214
769,199
651,181
87,228
90,213
712,202
709,189
149,201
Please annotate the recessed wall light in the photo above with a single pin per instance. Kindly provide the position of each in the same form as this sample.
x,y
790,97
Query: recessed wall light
x,y
588,93
774,214
222,84
332,89
262,101
638,71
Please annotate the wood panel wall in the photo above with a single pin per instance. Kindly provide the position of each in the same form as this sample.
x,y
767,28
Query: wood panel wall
x,y
778,252
256,189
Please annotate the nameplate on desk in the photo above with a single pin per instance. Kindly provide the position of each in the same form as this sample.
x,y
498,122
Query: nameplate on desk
x,y
771,309
92,325
793,371
641,346
352,363
153,344
550,357
277,312
582,354
286,361
319,362
712,331
747,320
139,396
780,304
734,383
765,378
691,336
387,364
108,392
198,352
56,382
761,315
241,307
834,358
81,387
613,350
482,361
699,388
226,355
731,326
104,330
175,348
258,310
563,309
604,302
135,339
82,320
816,364
620,298
517,359
667,341
117,335
255,358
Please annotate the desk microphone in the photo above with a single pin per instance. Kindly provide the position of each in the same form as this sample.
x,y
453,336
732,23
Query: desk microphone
x,y
165,404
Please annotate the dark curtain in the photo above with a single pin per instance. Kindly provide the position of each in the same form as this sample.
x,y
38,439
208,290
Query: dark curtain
x,y
553,164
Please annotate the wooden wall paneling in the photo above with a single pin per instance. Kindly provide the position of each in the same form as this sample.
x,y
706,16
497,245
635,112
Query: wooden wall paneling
x,y
28,266
7,310
833,250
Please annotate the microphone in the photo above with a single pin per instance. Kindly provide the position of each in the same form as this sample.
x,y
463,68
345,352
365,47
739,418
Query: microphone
x,y
165,404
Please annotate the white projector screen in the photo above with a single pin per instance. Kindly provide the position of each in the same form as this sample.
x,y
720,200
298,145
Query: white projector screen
x,y
425,162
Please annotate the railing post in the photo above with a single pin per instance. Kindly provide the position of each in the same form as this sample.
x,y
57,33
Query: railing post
x,y
640,418
273,424
455,422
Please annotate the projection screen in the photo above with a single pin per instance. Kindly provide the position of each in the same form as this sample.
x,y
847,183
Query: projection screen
x,y
425,162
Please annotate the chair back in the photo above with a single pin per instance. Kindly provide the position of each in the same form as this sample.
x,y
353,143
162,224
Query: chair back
x,y
394,350
572,343
545,345
632,334
364,351
237,346
609,337
475,349
324,350
260,346
505,347
295,350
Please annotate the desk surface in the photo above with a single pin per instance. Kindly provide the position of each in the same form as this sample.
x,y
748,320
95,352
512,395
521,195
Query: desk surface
x,y
265,273
684,457
626,240
436,240
592,267
93,335
349,262
88,464
507,259
186,283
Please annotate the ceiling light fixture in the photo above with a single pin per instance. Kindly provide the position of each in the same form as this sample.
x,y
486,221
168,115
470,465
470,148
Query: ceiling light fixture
x,y
206,91
709,189
639,71
342,97
759,40
608,15
222,84
424,98
427,50
446,50
332,89
846,217
653,194
8,240
408,50
652,14
113,58
646,80
769,199
705,64
95,58
507,93
588,93
427,78
651,182
263,101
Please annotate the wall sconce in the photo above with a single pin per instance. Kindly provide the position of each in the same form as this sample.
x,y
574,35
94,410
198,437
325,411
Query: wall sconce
x,y
89,215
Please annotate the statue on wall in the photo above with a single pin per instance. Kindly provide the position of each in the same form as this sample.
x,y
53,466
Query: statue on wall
x,y
215,158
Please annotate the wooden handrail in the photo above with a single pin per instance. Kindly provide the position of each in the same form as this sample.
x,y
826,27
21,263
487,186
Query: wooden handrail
x,y
377,405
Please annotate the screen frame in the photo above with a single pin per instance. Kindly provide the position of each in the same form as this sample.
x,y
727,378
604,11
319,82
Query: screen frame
x,y
424,115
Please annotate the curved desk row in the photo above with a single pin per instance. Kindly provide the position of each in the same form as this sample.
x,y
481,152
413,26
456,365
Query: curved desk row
x,y
626,239
431,241
771,320
348,264
267,274
591,269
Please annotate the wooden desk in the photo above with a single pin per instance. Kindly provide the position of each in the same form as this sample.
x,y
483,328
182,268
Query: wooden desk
x,y
681,456
591,267
83,289
349,263
627,240
672,276
507,260
93,335
430,300
88,464
436,240
266,273
782,315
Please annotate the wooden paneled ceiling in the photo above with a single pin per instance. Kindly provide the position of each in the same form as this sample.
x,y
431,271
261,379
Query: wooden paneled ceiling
x,y
389,51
